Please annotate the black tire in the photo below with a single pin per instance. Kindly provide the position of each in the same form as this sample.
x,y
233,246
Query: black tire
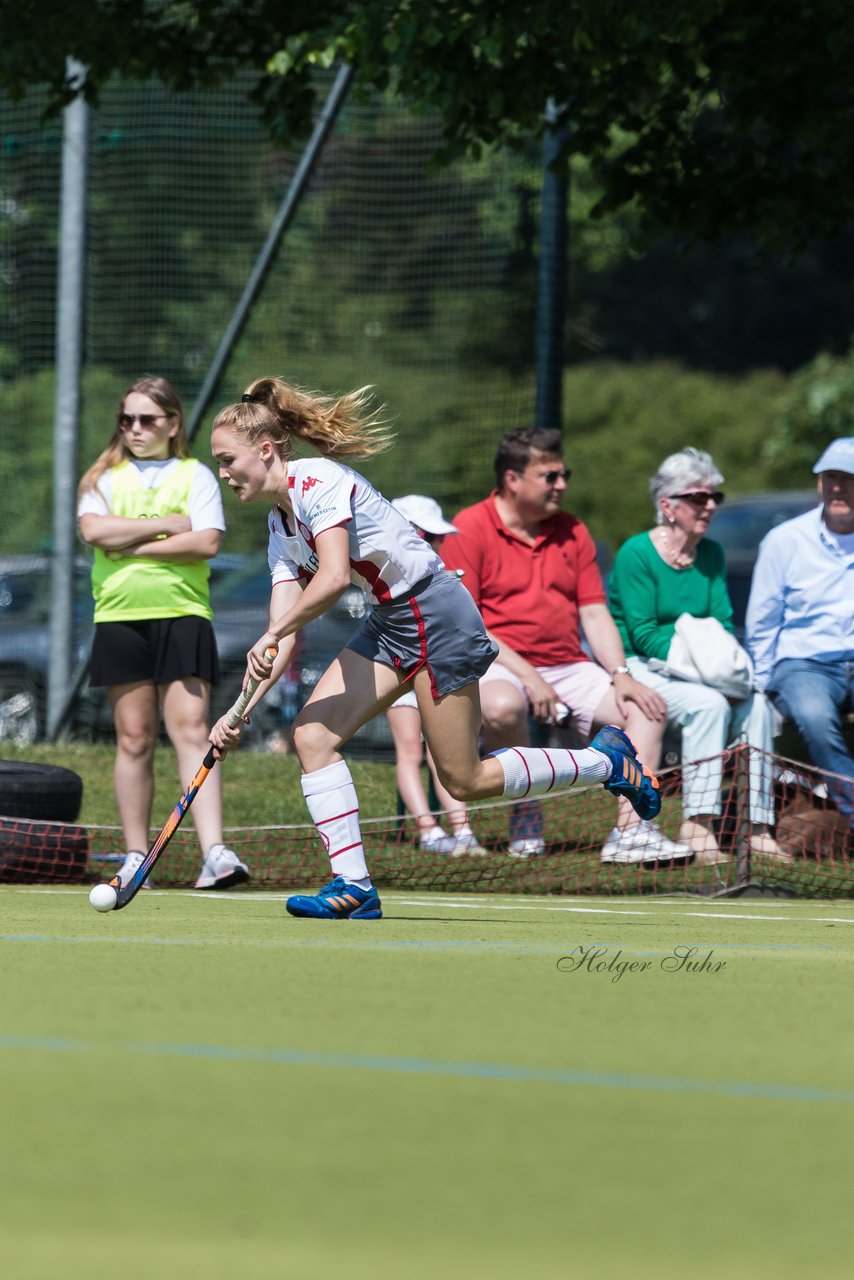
x,y
43,791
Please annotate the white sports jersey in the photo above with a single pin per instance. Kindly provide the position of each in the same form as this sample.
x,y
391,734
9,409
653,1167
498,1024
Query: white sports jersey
x,y
387,556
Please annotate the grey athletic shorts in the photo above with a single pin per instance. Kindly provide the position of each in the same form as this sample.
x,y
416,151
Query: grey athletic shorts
x,y
435,625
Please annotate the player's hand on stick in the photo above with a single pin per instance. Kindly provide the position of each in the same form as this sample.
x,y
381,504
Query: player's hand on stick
x,y
227,730
224,735
259,662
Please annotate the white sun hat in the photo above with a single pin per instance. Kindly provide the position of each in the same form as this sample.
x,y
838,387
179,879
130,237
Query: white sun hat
x,y
425,513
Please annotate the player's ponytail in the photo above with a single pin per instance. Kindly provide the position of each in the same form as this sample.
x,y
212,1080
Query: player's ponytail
x,y
346,427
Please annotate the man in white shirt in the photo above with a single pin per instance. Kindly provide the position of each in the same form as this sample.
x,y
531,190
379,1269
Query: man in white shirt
x,y
800,619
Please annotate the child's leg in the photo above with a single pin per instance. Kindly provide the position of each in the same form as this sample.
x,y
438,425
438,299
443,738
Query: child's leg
x,y
405,725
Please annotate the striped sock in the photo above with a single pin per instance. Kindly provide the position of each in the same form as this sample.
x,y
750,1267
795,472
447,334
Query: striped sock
x,y
532,771
334,808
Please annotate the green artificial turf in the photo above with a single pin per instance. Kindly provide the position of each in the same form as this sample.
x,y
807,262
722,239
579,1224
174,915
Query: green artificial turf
x,y
201,1086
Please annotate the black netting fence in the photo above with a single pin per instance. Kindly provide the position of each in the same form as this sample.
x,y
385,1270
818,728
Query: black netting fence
x,y
418,280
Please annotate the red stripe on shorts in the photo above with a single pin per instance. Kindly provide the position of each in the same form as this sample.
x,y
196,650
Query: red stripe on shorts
x,y
422,644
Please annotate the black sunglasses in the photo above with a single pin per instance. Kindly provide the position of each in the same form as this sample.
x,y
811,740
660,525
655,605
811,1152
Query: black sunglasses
x,y
698,499
144,419
551,477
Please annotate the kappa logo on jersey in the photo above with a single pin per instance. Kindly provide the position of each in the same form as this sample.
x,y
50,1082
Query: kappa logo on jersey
x,y
308,483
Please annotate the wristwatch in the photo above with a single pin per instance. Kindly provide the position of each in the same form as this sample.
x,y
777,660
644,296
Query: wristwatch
x,y
620,671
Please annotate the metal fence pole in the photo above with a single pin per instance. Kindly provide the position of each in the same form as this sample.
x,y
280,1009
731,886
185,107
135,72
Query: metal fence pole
x,y
551,296
742,813
69,348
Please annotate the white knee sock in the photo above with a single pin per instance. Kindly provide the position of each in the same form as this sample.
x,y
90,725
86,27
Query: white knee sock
x,y
334,807
532,771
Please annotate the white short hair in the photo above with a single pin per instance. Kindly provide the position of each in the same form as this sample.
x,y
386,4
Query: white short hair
x,y
680,472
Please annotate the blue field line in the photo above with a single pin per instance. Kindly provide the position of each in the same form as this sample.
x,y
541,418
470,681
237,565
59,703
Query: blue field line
x,y
495,1071
403,944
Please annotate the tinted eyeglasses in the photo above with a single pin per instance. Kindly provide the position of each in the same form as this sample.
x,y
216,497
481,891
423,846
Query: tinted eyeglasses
x,y
126,420
552,477
699,499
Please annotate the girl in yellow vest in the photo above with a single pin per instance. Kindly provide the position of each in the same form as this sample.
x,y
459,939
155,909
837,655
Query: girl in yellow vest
x,y
154,516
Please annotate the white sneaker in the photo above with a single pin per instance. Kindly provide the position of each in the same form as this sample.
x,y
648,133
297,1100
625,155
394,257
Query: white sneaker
x,y
532,847
644,843
221,869
466,845
435,841
130,864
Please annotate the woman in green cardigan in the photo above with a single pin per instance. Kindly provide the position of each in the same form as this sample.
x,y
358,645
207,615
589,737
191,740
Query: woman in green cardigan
x,y
671,569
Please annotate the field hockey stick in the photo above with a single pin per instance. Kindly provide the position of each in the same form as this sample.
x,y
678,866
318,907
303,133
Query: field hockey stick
x,y
126,893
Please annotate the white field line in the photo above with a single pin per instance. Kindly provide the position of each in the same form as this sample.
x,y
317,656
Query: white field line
x,y
470,902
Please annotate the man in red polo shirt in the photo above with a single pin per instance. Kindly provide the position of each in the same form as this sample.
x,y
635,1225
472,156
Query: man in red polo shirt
x,y
532,571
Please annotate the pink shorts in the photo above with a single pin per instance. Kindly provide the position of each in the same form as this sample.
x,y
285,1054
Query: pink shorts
x,y
581,685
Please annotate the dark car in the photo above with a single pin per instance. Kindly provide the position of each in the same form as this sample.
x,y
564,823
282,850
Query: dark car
x,y
240,595
741,524
24,643
25,586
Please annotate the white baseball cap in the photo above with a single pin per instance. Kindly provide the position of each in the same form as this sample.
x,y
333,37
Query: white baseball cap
x,y
425,513
838,456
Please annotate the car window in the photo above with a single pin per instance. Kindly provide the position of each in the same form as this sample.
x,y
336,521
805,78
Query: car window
x,y
25,597
247,585
742,525
18,593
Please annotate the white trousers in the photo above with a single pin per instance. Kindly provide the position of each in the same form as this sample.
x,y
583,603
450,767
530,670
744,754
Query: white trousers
x,y
710,723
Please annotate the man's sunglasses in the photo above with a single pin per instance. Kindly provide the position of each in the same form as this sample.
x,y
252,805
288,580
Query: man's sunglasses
x,y
144,419
699,499
552,477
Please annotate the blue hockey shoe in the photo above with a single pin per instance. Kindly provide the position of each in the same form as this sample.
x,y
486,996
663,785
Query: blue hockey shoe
x,y
338,900
629,777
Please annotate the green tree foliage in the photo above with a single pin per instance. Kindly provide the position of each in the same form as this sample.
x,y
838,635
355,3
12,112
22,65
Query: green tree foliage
x,y
705,115
627,418
624,420
818,407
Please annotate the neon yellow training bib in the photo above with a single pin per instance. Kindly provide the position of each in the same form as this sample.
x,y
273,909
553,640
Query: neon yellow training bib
x,y
134,589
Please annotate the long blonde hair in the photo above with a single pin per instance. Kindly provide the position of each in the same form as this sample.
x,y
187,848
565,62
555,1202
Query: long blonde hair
x,y
167,399
273,409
